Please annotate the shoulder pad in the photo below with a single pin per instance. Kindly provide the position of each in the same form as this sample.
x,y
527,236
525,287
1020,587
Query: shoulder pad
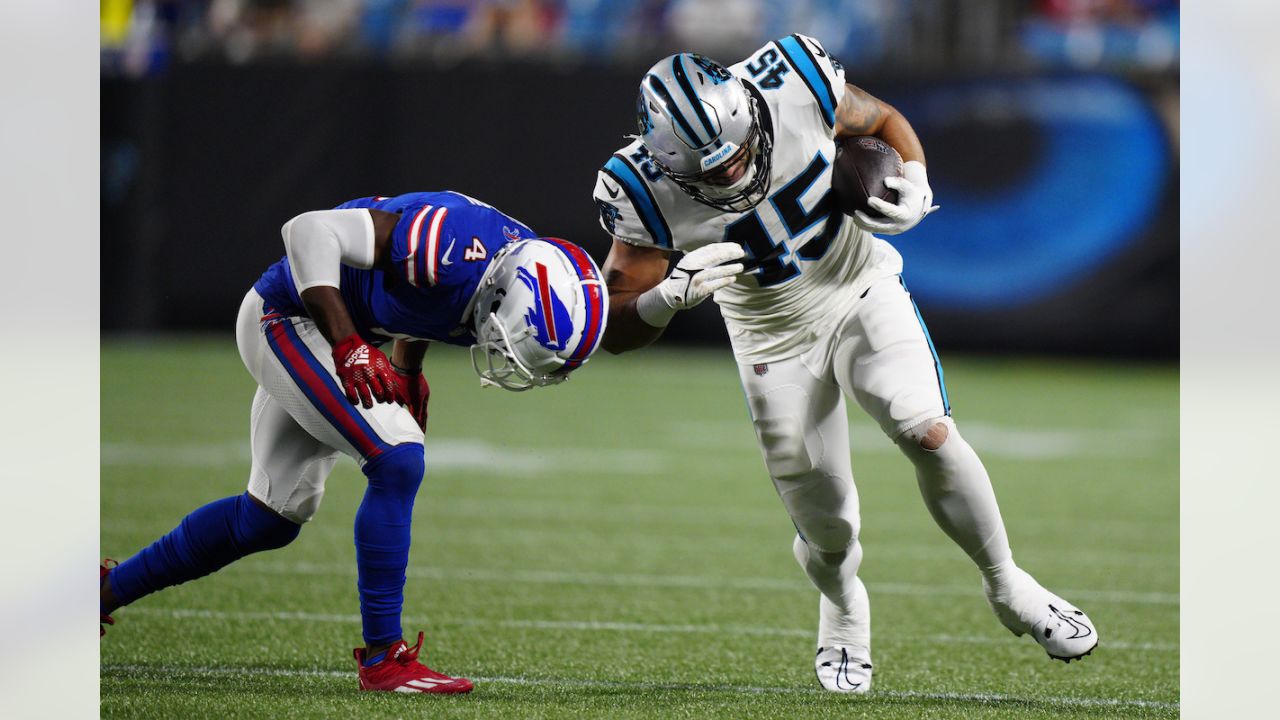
x,y
626,204
801,62
416,246
442,240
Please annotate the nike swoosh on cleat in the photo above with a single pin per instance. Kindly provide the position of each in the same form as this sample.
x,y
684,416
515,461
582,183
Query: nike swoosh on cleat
x,y
1079,628
842,676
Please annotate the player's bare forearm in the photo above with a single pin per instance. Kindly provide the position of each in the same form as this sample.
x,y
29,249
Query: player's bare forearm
x,y
408,354
630,271
626,330
860,113
326,307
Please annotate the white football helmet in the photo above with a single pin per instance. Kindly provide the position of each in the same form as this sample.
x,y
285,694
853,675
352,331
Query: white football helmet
x,y
539,313
699,123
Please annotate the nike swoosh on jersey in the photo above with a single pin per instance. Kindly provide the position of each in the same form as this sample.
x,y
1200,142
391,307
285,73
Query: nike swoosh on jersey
x,y
448,251
613,192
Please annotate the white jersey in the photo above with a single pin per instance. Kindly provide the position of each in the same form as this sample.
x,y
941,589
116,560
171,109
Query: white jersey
x,y
821,261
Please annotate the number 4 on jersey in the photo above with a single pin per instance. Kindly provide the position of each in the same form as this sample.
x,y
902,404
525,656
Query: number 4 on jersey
x,y
476,251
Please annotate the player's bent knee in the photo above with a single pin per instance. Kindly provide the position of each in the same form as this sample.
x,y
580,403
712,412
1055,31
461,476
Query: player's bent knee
x,y
259,528
783,444
398,469
806,553
931,434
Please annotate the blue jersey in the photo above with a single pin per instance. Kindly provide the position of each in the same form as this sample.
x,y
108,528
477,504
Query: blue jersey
x,y
440,249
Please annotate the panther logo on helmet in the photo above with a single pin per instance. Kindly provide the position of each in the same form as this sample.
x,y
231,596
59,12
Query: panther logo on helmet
x,y
539,313
643,123
717,72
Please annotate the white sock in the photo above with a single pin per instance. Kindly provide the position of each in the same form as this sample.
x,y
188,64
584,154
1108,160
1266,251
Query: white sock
x,y
844,610
846,628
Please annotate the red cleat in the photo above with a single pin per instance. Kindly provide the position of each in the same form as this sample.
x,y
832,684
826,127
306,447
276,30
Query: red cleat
x,y
400,671
103,571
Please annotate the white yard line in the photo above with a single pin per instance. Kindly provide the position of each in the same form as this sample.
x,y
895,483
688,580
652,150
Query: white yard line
x,y
545,577
461,454
600,626
1019,443
691,687
442,454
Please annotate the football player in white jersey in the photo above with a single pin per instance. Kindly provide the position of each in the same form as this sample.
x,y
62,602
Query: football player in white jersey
x,y
732,166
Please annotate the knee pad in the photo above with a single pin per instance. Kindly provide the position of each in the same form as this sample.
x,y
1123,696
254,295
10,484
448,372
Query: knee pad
x,y
830,536
931,434
398,470
782,441
805,553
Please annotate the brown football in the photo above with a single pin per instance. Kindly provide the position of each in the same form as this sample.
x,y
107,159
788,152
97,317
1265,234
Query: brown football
x,y
862,164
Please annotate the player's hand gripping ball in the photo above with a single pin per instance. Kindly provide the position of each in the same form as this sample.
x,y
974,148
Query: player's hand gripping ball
x,y
861,167
873,185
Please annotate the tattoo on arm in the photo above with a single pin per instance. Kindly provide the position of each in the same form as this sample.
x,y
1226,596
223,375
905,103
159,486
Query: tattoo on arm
x,y
859,113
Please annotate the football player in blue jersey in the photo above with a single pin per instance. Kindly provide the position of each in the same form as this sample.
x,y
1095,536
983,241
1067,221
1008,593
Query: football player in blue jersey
x,y
732,166
421,267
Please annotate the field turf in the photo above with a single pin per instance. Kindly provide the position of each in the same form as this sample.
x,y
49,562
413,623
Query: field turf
x,y
613,548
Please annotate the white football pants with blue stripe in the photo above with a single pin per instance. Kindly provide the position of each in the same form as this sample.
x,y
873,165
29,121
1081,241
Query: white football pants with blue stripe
x,y
301,421
879,354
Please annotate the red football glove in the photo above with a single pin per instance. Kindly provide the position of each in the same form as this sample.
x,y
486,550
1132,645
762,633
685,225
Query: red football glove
x,y
365,372
413,392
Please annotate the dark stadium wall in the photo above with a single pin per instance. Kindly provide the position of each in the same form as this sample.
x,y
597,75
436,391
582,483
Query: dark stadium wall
x,y
1057,233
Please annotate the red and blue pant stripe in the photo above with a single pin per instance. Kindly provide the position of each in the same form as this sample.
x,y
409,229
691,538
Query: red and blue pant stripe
x,y
313,378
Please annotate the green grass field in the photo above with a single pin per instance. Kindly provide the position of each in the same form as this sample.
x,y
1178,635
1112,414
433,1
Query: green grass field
x,y
613,548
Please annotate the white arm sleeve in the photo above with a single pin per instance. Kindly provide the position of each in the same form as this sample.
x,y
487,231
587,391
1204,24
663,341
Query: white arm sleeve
x,y
319,243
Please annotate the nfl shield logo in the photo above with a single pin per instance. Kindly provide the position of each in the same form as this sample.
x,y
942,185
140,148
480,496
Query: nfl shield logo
x,y
761,369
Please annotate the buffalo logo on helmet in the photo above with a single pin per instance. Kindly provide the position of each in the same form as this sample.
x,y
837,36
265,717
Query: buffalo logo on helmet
x,y
548,315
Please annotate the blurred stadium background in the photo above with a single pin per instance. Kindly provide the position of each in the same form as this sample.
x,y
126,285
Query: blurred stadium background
x,y
1050,127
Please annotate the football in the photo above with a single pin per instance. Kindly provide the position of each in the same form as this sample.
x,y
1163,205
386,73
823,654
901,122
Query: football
x,y
862,164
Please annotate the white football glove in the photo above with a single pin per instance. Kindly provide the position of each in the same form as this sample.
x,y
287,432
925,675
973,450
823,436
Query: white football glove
x,y
915,200
698,274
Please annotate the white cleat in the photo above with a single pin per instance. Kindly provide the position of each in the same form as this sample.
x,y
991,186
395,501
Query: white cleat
x,y
843,670
1062,629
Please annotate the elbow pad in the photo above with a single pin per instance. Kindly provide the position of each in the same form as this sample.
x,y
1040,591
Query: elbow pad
x,y
319,243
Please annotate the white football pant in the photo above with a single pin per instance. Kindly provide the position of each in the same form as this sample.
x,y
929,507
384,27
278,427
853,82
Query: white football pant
x,y
880,354
301,420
